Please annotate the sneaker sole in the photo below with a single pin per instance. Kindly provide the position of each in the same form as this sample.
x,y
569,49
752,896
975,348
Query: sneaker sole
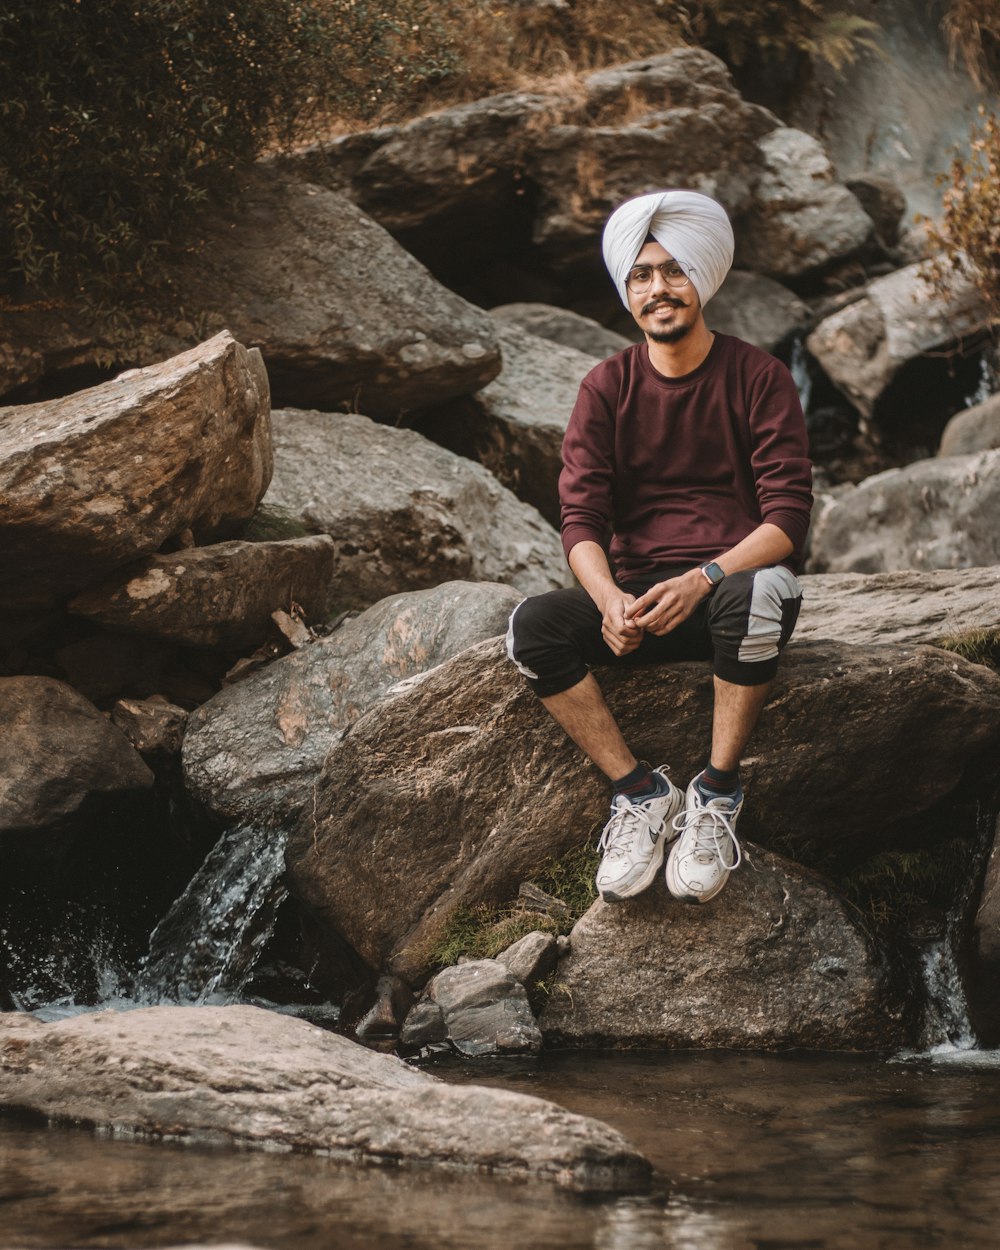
x,y
655,864
683,895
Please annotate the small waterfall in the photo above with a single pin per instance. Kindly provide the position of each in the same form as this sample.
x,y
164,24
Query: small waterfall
x,y
207,944
799,370
946,1016
989,384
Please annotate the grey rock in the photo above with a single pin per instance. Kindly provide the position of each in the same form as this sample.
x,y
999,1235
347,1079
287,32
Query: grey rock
x,y
515,426
424,1025
902,607
252,1078
485,1009
561,325
153,726
531,958
975,429
884,203
864,346
252,753
404,513
778,959
217,596
802,218
934,514
756,309
56,749
454,792
299,272
97,479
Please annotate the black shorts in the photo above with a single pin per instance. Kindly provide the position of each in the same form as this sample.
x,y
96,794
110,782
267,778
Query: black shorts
x,y
741,627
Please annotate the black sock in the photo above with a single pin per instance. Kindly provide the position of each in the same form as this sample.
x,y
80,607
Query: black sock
x,y
639,783
721,780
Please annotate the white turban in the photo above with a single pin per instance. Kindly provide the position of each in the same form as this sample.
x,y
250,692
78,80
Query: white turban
x,y
693,228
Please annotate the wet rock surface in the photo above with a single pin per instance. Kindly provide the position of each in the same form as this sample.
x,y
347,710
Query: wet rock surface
x,y
247,1077
252,753
100,478
404,513
480,1007
777,959
453,793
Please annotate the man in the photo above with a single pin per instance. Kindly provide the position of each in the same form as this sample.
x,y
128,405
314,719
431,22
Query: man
x,y
691,449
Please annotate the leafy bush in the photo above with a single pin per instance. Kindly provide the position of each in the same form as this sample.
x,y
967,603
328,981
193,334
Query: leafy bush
x,y
120,118
968,236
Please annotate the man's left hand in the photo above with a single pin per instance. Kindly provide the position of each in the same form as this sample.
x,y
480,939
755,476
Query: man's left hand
x,y
664,606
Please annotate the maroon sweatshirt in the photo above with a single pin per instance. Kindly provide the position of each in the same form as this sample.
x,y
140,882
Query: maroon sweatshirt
x,y
681,469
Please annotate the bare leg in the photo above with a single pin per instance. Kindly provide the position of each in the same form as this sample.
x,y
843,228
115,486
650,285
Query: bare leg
x,y
587,719
737,709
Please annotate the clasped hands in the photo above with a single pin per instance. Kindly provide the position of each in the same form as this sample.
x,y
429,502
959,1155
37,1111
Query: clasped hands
x,y
662,608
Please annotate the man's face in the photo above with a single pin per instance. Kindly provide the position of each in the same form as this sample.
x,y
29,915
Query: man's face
x,y
664,314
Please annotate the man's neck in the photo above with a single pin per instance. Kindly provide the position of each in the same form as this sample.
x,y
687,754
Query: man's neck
x,y
674,360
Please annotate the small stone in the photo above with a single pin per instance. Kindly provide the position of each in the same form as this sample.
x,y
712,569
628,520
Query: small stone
x,y
531,958
154,727
423,1026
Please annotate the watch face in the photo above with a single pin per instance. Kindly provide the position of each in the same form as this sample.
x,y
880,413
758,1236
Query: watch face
x,y
714,573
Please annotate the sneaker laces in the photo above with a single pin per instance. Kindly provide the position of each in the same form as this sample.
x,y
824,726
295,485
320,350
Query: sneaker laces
x,y
619,832
711,825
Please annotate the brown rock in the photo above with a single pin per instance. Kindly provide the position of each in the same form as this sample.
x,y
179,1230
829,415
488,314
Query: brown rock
x,y
778,959
985,996
154,727
55,750
94,480
253,1078
217,596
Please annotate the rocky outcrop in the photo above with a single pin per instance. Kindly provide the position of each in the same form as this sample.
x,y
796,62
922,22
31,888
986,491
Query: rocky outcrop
x,y
515,426
899,319
300,273
222,595
404,513
975,429
802,218
100,478
560,325
756,309
252,753
453,793
902,607
480,1007
56,749
778,959
985,995
252,1078
934,514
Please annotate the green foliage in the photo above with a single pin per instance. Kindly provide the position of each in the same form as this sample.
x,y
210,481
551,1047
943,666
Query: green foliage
x,y
892,889
482,932
968,236
273,524
980,646
120,119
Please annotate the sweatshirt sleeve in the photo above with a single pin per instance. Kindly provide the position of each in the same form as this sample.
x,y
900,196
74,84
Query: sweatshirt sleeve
x,y
780,454
585,483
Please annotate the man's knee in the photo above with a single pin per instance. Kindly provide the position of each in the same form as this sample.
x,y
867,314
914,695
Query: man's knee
x,y
543,639
751,618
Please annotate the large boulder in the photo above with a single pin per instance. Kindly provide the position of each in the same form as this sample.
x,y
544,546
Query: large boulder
x,y
403,512
900,607
453,793
934,514
802,219
562,326
56,750
99,478
255,1079
985,980
779,959
975,429
222,595
253,752
301,273
515,426
902,326
756,309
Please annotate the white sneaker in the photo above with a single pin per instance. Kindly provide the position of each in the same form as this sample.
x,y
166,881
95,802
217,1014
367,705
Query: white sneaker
x,y
634,840
707,850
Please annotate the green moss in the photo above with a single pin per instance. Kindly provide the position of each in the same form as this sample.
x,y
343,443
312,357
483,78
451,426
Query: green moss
x,y
979,646
273,524
892,888
483,931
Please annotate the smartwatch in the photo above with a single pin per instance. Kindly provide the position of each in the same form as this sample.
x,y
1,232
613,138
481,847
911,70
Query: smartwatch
x,y
713,573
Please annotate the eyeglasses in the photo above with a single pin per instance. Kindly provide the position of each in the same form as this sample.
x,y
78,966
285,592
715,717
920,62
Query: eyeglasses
x,y
640,279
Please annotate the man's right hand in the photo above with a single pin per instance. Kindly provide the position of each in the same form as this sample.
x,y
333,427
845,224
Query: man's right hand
x,y
621,635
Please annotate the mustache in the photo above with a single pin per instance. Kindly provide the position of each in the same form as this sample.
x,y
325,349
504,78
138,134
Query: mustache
x,y
663,299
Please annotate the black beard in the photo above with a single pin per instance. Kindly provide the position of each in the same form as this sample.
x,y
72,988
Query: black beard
x,y
669,336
